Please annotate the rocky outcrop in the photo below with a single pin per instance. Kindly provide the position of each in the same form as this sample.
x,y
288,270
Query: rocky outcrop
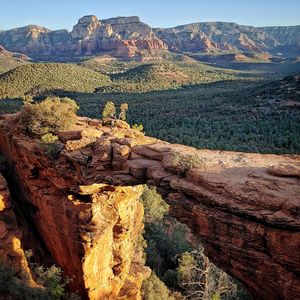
x,y
124,37
12,253
214,36
243,207
128,37
6,55
286,35
91,230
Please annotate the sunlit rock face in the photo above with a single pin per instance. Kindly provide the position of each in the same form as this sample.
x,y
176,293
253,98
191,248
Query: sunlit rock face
x,y
91,230
243,207
124,37
129,38
12,253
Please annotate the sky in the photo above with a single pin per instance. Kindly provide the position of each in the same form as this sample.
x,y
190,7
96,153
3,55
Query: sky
x,y
63,14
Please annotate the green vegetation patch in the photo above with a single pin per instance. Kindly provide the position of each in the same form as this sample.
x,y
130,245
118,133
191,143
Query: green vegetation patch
x,y
180,270
49,116
165,75
43,78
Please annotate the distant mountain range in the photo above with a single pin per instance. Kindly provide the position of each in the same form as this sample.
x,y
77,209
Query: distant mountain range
x,y
128,37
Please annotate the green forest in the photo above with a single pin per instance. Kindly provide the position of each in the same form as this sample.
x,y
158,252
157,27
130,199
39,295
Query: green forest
x,y
180,269
179,100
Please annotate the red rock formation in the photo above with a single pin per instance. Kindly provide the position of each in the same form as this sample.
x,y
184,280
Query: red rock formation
x,y
4,54
243,207
11,251
91,230
123,37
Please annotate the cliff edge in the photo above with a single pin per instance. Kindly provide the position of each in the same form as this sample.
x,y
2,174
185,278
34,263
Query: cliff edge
x,y
243,207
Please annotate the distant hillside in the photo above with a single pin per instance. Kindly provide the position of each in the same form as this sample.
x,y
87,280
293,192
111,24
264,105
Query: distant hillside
x,y
43,78
129,38
36,79
224,36
281,94
10,60
166,75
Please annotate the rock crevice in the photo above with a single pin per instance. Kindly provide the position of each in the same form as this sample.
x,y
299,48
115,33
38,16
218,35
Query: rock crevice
x,y
243,207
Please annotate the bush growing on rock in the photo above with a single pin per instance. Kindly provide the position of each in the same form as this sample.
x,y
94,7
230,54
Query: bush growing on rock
x,y
13,286
176,262
186,162
51,145
27,99
201,279
139,127
154,205
49,116
51,285
109,110
123,110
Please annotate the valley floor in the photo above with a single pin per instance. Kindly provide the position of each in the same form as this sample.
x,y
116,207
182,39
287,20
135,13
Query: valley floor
x,y
249,109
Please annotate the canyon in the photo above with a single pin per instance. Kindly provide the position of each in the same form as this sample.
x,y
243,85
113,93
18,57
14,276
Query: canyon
x,y
243,207
129,38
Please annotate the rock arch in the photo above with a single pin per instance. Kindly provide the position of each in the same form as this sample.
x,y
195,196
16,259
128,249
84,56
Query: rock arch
x,y
243,207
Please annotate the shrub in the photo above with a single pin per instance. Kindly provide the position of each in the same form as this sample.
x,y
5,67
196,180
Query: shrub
x,y
201,279
27,99
51,145
12,286
51,279
139,127
165,242
170,278
123,110
154,205
109,110
186,162
154,289
49,116
49,138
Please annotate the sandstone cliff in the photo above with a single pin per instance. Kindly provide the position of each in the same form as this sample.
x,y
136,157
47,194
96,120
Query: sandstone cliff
x,y
124,37
228,36
244,208
91,230
4,54
128,37
12,253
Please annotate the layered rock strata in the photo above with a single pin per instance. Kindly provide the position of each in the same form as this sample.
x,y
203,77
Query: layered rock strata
x,y
125,37
12,254
243,207
129,38
91,230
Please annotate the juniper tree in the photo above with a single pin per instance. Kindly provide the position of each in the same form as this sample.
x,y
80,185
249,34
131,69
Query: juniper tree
x,y
109,110
123,110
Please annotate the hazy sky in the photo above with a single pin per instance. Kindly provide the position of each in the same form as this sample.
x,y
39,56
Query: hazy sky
x,y
57,14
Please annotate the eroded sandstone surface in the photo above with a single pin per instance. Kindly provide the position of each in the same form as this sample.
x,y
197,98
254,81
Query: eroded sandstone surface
x,y
243,207
125,37
91,230
12,253
128,37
